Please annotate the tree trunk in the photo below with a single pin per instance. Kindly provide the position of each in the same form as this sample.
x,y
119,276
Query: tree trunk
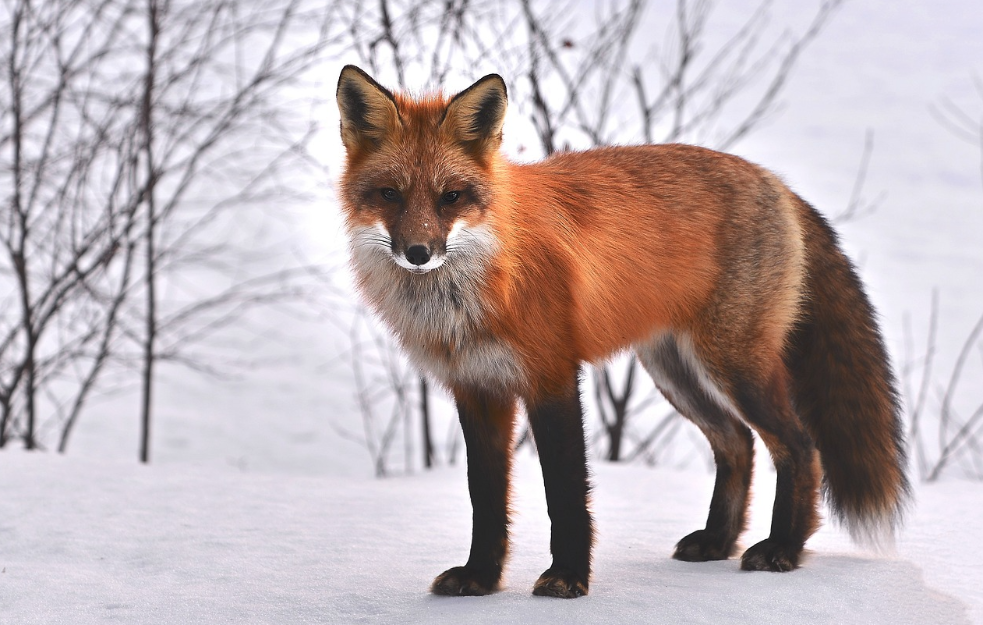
x,y
428,451
149,344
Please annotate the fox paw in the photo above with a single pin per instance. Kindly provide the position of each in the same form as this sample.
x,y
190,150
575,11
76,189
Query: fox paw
x,y
559,581
770,555
702,546
463,581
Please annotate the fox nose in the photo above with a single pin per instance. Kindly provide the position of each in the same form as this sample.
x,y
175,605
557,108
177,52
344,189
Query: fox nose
x,y
418,254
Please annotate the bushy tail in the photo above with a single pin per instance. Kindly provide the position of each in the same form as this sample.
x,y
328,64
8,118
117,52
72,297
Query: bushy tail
x,y
844,391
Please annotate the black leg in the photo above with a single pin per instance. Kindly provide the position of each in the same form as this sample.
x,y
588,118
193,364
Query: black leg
x,y
733,451
794,517
487,422
558,426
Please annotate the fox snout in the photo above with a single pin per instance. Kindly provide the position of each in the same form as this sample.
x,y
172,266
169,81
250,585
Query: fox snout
x,y
421,252
418,257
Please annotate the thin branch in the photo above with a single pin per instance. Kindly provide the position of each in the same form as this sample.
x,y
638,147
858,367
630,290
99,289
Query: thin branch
x,y
946,416
915,411
857,205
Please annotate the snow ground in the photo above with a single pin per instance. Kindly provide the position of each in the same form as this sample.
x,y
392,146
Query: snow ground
x,y
83,541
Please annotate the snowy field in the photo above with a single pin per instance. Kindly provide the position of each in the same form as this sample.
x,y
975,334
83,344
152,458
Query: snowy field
x,y
91,542
256,510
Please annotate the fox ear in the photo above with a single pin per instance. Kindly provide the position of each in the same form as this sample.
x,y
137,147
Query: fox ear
x,y
476,115
368,110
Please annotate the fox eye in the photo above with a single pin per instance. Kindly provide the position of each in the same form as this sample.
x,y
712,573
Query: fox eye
x,y
389,194
451,196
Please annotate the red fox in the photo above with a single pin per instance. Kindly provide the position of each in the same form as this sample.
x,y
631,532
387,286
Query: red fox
x,y
500,280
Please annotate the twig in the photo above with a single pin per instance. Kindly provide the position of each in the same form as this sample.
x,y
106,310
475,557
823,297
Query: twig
x,y
948,447
914,433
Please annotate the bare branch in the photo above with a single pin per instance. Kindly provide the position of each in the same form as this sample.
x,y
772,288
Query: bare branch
x,y
915,411
946,416
857,206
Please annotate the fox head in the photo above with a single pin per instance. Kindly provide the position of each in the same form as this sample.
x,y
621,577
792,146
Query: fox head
x,y
416,184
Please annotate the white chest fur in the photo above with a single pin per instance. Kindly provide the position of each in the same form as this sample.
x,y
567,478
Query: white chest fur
x,y
439,317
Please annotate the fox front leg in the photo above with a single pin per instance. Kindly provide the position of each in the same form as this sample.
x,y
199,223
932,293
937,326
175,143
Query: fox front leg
x,y
558,427
487,422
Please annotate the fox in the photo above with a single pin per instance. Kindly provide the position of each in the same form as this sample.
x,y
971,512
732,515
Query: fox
x,y
501,280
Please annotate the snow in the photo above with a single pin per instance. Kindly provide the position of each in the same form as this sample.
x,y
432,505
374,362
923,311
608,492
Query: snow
x,y
87,541
256,510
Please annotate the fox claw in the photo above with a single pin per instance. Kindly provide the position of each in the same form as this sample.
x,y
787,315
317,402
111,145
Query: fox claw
x,y
462,581
560,582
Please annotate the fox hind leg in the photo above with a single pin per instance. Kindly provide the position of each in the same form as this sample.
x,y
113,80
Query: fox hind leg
x,y
766,405
730,440
760,398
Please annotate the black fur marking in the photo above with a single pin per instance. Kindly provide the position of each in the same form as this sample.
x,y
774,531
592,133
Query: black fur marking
x,y
465,581
558,427
771,555
354,104
487,426
704,545
559,582
794,512
353,101
489,110
369,79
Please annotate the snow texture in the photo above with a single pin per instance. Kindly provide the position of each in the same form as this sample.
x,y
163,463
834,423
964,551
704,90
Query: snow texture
x,y
92,542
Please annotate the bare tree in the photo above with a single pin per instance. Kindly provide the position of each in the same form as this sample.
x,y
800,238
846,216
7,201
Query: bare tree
x,y
615,410
957,436
151,226
964,439
67,218
134,133
216,81
383,384
858,205
962,123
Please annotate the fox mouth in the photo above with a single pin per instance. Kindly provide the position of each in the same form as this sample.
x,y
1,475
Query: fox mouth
x,y
433,263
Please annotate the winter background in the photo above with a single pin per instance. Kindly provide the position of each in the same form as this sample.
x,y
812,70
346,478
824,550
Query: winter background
x,y
260,503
